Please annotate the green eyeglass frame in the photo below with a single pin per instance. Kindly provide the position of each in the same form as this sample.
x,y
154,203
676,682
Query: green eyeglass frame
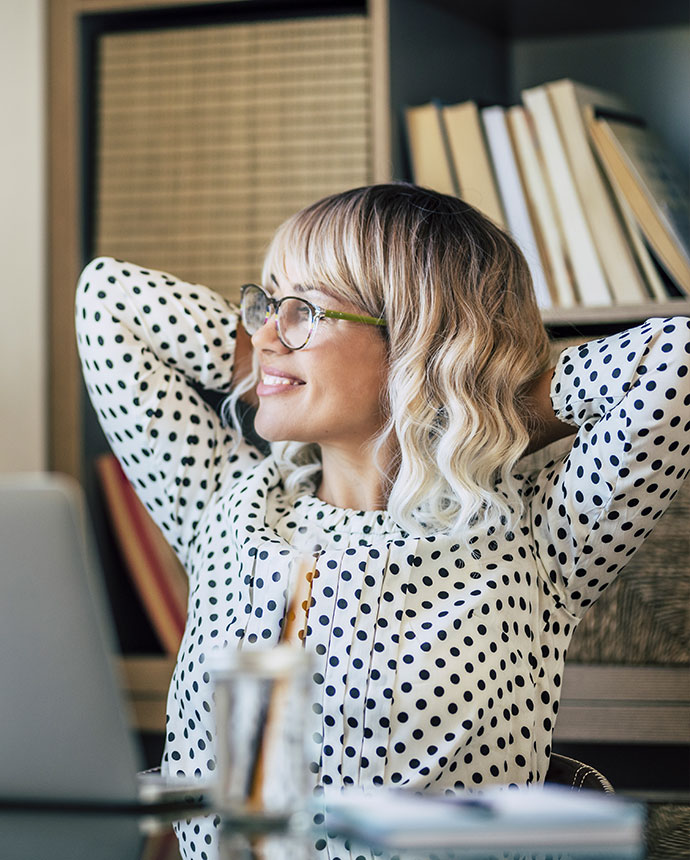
x,y
273,306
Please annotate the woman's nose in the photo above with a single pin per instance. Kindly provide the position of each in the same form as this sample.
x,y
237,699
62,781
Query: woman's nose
x,y
266,337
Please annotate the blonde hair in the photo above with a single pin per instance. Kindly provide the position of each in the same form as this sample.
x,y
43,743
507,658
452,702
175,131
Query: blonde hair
x,y
465,337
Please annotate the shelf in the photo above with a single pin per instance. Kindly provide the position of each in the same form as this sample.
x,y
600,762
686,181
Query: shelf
x,y
615,314
604,704
145,681
625,704
524,18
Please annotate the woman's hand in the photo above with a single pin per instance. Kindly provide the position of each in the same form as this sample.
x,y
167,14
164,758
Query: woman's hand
x,y
543,424
242,367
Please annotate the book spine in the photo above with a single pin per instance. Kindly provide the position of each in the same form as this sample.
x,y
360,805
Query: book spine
x,y
634,158
623,276
428,149
654,283
470,158
512,195
591,282
538,193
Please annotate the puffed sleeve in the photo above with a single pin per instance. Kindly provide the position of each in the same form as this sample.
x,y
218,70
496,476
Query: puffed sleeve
x,y
629,395
147,343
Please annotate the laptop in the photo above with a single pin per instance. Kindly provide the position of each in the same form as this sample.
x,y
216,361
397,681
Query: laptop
x,y
65,733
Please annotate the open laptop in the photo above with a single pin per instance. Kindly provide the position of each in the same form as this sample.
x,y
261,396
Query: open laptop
x,y
65,735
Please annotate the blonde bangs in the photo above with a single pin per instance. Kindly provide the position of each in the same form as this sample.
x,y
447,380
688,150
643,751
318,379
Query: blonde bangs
x,y
325,249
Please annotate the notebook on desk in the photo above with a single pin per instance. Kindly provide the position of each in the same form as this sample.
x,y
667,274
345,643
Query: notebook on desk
x,y
65,734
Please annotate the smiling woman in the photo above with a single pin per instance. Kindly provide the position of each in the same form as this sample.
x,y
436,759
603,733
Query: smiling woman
x,y
450,570
463,339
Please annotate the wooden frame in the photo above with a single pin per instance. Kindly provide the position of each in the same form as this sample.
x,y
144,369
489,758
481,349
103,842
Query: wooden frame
x,y
64,218
624,704
639,704
600,704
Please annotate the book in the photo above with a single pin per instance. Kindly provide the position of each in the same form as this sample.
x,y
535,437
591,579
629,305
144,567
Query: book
x,y
556,264
590,280
513,197
570,101
471,160
157,574
428,148
550,818
648,265
638,163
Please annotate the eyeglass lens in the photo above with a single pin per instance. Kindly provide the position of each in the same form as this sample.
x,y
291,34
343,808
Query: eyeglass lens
x,y
294,317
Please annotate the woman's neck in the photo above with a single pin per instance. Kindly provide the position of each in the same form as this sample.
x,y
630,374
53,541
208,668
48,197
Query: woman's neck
x,y
352,479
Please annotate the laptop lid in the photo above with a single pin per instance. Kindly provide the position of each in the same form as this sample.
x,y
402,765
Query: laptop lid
x,y
64,730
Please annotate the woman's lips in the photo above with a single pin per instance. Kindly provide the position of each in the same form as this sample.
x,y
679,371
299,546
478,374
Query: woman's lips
x,y
276,382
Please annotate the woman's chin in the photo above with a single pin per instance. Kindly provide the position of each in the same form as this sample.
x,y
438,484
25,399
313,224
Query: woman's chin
x,y
280,425
272,432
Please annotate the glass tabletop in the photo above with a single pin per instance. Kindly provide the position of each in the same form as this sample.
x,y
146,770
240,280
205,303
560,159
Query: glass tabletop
x,y
201,835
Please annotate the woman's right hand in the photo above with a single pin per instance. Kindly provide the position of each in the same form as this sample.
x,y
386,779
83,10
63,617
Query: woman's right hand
x,y
242,368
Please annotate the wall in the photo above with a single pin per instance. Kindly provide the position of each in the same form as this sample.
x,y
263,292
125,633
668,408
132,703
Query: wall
x,y
23,413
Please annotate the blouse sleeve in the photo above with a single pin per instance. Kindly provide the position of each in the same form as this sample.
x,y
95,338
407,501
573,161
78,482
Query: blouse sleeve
x,y
147,343
629,395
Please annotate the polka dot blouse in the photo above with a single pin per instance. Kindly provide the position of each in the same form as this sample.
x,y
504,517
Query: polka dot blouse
x,y
437,666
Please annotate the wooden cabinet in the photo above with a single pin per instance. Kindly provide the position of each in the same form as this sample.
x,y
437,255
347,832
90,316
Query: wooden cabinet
x,y
454,50
487,50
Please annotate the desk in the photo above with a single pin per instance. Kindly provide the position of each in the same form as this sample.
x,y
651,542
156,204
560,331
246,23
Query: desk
x,y
70,835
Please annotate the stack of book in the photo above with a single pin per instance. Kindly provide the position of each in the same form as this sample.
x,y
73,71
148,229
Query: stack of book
x,y
585,187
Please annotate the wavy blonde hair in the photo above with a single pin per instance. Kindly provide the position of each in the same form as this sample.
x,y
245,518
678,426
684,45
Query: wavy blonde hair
x,y
465,338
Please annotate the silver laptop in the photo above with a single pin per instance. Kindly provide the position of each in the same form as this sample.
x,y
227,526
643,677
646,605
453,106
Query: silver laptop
x,y
64,728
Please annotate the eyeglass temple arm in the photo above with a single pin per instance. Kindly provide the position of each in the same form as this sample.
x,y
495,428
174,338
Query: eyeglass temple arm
x,y
342,315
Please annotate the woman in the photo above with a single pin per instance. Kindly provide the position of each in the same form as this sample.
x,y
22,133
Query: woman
x,y
450,578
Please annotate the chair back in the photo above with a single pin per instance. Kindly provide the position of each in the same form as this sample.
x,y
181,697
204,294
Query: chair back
x,y
576,774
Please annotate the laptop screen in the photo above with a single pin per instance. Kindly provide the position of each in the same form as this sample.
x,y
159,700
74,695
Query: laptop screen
x,y
64,728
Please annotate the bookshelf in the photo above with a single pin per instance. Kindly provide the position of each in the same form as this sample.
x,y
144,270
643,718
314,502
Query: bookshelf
x,y
589,319
454,50
503,48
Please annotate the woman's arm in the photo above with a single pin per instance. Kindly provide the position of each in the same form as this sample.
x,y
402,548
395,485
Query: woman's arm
x,y
148,342
629,397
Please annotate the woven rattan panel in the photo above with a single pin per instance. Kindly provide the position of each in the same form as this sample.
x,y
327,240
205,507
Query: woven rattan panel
x,y
644,617
208,137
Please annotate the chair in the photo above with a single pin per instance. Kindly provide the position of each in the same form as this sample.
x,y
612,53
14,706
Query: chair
x,y
569,771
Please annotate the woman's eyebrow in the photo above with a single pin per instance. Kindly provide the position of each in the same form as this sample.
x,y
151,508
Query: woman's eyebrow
x,y
297,288
292,289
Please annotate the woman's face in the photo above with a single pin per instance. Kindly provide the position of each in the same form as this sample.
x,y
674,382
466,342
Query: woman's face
x,y
332,390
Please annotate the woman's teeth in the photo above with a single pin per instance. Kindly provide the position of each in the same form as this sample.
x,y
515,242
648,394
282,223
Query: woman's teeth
x,y
280,380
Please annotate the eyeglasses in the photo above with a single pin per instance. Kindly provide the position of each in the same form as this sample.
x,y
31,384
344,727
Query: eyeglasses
x,y
296,319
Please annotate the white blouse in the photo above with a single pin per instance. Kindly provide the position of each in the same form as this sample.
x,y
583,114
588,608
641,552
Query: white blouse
x,y
437,666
